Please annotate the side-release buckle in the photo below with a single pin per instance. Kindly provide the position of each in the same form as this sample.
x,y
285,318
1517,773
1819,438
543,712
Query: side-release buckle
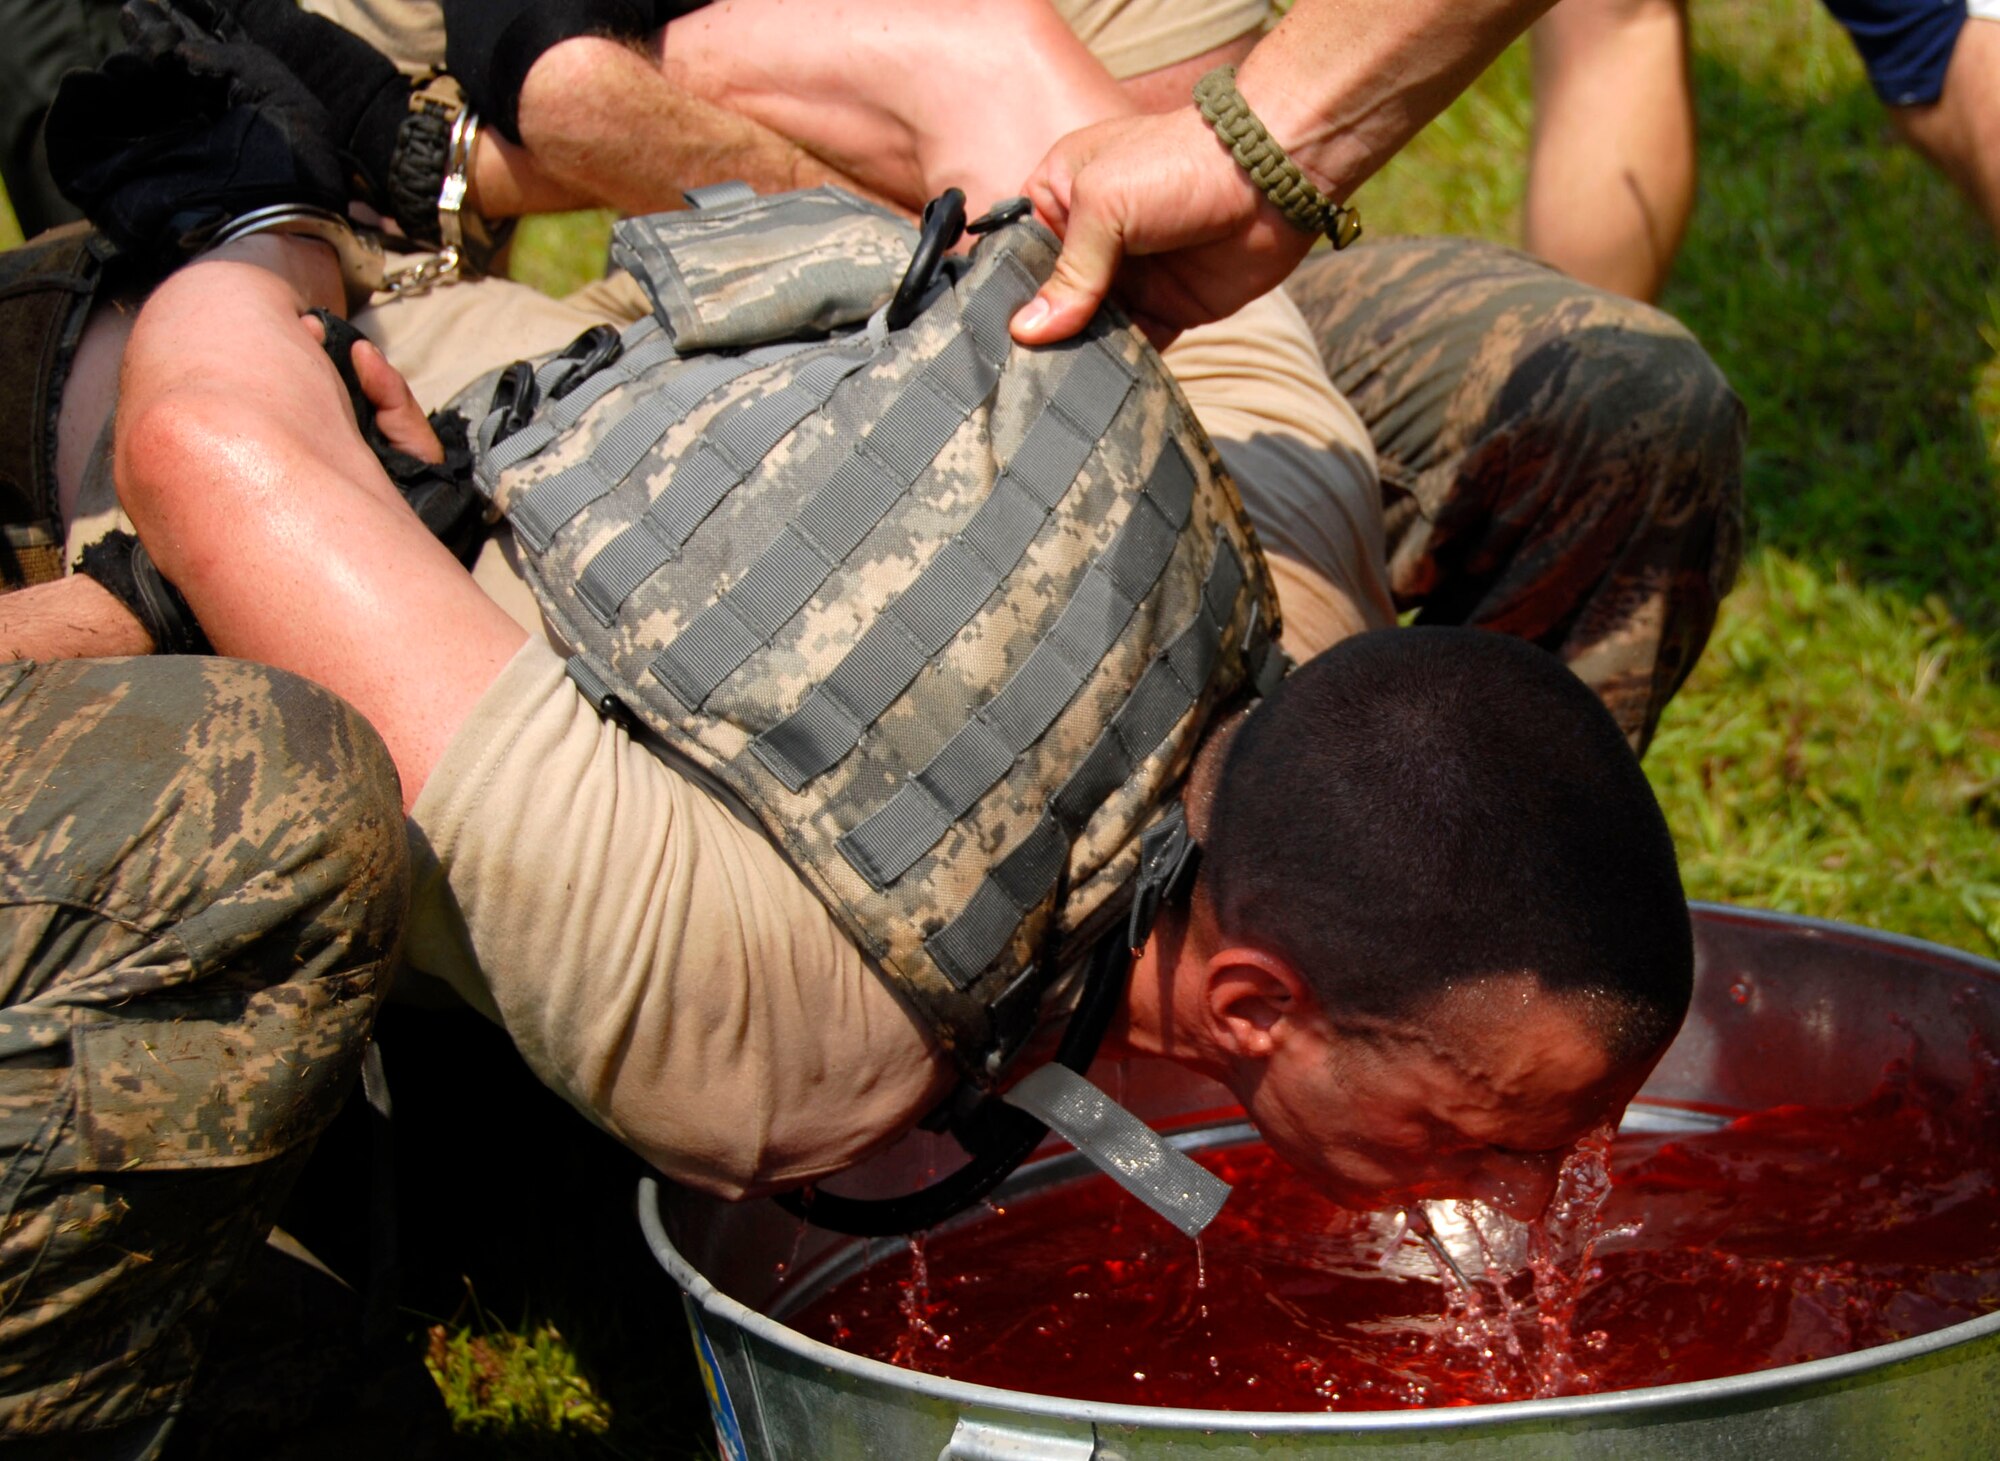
x,y
1169,858
943,226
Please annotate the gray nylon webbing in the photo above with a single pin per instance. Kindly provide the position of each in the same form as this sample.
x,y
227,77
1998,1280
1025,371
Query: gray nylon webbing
x,y
831,525
1121,1146
644,345
732,446
916,626
544,509
967,946
719,195
922,811
595,687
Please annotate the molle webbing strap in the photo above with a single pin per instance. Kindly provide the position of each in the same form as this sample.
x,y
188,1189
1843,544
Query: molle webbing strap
x,y
601,693
1120,1145
973,941
732,446
541,511
973,761
946,595
862,489
719,195
643,345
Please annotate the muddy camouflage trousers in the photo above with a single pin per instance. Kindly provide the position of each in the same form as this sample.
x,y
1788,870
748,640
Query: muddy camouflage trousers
x,y
1557,463
203,871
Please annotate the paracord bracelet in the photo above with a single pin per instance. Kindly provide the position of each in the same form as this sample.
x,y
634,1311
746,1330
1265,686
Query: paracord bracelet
x,y
1277,177
430,182
423,156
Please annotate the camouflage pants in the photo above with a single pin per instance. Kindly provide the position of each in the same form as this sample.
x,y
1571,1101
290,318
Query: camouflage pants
x,y
1557,463
203,872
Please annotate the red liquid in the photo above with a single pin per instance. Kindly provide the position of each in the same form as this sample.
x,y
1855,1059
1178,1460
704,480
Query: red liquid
x,y
1792,1234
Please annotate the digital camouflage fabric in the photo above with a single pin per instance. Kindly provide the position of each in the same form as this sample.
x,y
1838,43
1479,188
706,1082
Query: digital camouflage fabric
x,y
203,872
1558,463
946,615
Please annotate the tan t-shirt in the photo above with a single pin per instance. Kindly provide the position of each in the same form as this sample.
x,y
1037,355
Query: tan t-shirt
x,y
1132,37
1129,36
654,958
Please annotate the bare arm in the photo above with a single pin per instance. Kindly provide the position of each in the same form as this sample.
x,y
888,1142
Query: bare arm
x,y
603,126
72,618
1342,85
239,462
925,95
908,96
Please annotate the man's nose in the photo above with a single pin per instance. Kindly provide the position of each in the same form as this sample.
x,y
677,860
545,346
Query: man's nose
x,y
1519,1184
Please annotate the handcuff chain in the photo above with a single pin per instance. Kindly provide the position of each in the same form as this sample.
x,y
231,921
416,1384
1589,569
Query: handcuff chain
x,y
424,275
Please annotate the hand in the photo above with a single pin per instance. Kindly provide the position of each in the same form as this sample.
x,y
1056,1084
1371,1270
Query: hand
x,y
1158,204
397,416
434,476
365,96
182,131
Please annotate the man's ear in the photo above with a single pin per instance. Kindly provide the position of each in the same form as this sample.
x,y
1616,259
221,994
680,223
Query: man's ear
x,y
1254,1001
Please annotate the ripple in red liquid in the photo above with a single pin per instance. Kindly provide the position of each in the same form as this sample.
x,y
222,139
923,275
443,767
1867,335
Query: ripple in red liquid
x,y
1789,1235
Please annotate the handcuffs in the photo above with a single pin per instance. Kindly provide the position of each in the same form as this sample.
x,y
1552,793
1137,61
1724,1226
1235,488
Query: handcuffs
x,y
436,141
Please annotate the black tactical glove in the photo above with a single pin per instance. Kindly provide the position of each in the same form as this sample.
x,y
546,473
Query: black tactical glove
x,y
125,570
184,130
365,96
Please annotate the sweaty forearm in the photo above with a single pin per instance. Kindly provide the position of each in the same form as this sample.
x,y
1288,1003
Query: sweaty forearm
x,y
599,120
1344,84
239,461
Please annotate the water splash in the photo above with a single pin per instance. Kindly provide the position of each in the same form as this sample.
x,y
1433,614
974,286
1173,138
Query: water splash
x,y
1789,1235
920,1336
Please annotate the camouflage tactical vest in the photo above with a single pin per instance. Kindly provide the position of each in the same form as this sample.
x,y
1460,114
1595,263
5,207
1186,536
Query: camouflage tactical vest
x,y
945,615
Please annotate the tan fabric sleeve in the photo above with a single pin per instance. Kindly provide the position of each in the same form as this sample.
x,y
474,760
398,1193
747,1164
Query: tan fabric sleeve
x,y
1302,459
655,960
1132,37
408,32
458,332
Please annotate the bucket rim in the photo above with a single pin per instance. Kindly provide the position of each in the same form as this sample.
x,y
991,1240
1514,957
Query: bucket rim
x,y
1723,1389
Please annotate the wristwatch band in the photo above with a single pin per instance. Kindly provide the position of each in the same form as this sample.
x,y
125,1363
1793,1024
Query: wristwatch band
x,y
1277,177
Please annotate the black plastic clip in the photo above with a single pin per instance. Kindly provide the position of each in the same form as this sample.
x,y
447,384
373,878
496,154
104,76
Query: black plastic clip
x,y
943,226
514,397
1169,858
589,353
1006,211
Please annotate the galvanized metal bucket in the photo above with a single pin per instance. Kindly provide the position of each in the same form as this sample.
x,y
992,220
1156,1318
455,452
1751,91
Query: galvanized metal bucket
x,y
1785,1010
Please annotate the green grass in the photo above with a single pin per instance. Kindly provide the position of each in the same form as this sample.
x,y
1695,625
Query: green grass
x,y
1836,752
559,252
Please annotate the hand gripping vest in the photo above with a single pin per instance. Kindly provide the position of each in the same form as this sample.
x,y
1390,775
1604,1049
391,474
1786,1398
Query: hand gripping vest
x,y
944,615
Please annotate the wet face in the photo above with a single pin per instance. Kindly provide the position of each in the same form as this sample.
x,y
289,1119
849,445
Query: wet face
x,y
1481,1097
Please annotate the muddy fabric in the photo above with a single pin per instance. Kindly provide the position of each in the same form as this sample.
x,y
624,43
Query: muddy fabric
x,y
203,870
1557,463
46,289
